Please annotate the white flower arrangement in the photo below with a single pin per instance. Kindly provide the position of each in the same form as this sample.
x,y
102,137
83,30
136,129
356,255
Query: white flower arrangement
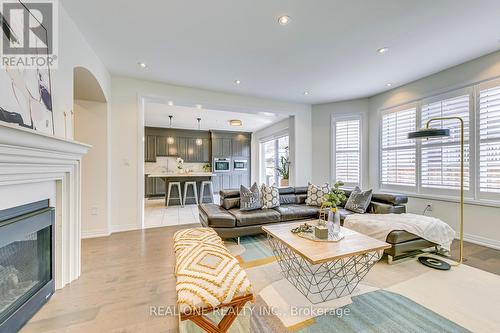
x,y
180,163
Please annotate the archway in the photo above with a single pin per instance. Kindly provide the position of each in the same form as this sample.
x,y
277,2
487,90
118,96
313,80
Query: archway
x,y
90,109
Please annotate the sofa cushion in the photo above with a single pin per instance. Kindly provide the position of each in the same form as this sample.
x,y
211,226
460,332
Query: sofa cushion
x,y
229,193
250,198
394,199
359,200
316,194
286,190
229,203
255,217
300,190
287,199
270,196
300,199
216,216
297,212
400,236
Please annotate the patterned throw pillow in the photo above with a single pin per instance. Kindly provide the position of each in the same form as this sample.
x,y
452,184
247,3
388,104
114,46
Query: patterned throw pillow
x,y
250,198
315,194
270,196
359,201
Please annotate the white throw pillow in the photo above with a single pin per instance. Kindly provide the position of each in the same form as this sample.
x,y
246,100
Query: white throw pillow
x,y
316,194
270,196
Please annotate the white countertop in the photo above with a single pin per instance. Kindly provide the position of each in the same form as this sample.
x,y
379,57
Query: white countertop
x,y
179,175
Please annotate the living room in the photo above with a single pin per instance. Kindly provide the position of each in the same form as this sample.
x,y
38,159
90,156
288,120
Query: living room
x,y
361,143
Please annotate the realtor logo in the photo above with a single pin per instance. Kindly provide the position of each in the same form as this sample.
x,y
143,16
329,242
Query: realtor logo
x,y
29,31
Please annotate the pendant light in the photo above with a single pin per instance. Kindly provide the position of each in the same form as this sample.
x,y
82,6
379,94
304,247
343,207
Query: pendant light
x,y
199,141
170,140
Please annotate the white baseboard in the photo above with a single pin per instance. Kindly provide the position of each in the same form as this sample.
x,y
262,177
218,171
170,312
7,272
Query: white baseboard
x,y
125,227
95,233
493,243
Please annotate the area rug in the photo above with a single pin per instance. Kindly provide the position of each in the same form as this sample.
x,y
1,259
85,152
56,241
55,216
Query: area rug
x,y
404,297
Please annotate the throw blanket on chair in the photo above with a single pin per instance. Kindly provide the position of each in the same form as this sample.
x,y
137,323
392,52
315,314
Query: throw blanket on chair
x,y
379,226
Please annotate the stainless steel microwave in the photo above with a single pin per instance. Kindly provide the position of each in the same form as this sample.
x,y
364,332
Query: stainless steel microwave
x,y
222,164
240,165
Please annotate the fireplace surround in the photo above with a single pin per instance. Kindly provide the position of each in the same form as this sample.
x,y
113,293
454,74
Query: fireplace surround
x,y
26,262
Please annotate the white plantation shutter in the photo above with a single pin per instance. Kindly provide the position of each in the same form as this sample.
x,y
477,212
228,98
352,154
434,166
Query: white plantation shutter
x,y
440,159
348,151
398,162
489,140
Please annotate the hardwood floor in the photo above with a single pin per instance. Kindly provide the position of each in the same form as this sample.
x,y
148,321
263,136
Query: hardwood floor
x,y
127,273
122,276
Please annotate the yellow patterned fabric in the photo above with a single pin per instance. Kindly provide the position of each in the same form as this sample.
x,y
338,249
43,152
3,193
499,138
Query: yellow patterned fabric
x,y
207,274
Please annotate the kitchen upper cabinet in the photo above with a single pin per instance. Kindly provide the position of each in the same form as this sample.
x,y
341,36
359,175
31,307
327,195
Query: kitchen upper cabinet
x,y
163,148
150,149
241,146
222,147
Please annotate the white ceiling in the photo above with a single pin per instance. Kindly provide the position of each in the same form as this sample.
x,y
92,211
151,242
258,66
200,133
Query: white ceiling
x,y
156,115
329,47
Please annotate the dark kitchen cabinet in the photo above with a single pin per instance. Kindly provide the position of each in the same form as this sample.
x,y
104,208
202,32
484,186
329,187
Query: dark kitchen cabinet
x,y
160,186
150,149
221,182
149,186
163,148
240,146
222,147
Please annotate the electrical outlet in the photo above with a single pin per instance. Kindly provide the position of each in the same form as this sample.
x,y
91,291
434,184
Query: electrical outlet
x,y
429,207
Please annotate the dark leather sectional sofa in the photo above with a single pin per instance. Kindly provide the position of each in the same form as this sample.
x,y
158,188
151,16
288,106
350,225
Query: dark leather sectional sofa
x,y
230,222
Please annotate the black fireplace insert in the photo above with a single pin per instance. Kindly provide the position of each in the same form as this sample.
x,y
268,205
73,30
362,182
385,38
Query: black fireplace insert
x,y
26,262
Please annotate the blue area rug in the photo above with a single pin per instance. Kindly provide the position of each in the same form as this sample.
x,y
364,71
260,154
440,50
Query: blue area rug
x,y
383,311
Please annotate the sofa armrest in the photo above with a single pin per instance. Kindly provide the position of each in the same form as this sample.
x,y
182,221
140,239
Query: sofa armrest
x,y
212,215
383,208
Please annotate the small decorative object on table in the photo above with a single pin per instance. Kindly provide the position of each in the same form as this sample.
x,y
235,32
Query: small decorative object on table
x,y
332,200
207,167
303,228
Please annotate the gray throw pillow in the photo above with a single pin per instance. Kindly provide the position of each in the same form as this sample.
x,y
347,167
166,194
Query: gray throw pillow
x,y
359,201
250,198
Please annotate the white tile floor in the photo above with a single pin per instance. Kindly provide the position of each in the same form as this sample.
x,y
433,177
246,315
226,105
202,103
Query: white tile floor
x,y
157,215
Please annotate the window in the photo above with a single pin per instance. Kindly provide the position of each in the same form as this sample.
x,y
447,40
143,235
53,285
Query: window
x,y
347,153
275,153
398,160
440,157
489,139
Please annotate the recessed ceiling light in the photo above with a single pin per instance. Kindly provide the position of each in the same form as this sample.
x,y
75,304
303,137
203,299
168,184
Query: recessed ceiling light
x,y
170,103
389,84
237,81
235,122
267,114
199,106
284,20
306,93
142,65
383,50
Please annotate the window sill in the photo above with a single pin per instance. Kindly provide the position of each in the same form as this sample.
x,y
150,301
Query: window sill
x,y
467,201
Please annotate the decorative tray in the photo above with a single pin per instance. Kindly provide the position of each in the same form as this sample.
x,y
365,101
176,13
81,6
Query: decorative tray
x,y
311,236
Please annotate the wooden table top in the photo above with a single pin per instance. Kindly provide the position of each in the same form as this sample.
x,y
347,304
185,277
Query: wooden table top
x,y
353,243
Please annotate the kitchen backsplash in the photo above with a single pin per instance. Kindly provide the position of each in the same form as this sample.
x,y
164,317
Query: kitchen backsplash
x,y
169,164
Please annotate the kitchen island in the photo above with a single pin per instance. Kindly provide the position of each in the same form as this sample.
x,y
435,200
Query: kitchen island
x,y
197,177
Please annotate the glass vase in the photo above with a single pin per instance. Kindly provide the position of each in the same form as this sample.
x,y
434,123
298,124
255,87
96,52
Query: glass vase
x,y
333,223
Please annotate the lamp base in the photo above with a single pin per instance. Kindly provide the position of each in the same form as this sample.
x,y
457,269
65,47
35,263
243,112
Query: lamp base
x,y
434,263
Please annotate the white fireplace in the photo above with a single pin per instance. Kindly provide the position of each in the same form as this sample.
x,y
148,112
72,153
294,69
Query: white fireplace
x,y
36,167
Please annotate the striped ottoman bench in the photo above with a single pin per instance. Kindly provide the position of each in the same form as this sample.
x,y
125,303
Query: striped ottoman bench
x,y
208,278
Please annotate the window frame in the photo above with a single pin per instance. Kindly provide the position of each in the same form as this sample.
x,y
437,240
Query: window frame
x,y
262,167
333,172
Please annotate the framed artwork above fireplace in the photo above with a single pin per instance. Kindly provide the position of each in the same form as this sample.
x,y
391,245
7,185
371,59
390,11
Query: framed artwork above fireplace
x,y
25,94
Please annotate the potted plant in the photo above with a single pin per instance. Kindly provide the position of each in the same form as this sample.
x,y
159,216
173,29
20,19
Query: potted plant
x,y
284,170
207,167
180,164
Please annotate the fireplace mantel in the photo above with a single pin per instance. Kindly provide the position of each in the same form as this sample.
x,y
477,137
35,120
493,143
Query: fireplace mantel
x,y
27,157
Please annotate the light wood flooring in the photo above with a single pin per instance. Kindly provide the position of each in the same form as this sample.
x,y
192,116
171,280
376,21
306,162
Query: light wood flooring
x,y
123,275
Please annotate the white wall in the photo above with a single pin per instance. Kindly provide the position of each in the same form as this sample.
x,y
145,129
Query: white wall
x,y
126,132
322,137
73,51
91,127
481,222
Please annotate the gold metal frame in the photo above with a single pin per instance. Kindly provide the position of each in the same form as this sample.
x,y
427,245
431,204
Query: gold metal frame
x,y
461,178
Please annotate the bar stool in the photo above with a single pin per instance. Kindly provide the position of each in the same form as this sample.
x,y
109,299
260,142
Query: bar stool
x,y
195,191
202,190
178,185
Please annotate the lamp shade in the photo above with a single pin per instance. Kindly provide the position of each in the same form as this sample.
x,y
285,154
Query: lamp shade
x,y
429,133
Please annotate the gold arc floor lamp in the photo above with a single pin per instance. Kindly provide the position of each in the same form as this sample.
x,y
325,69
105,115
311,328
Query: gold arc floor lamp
x,y
427,133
